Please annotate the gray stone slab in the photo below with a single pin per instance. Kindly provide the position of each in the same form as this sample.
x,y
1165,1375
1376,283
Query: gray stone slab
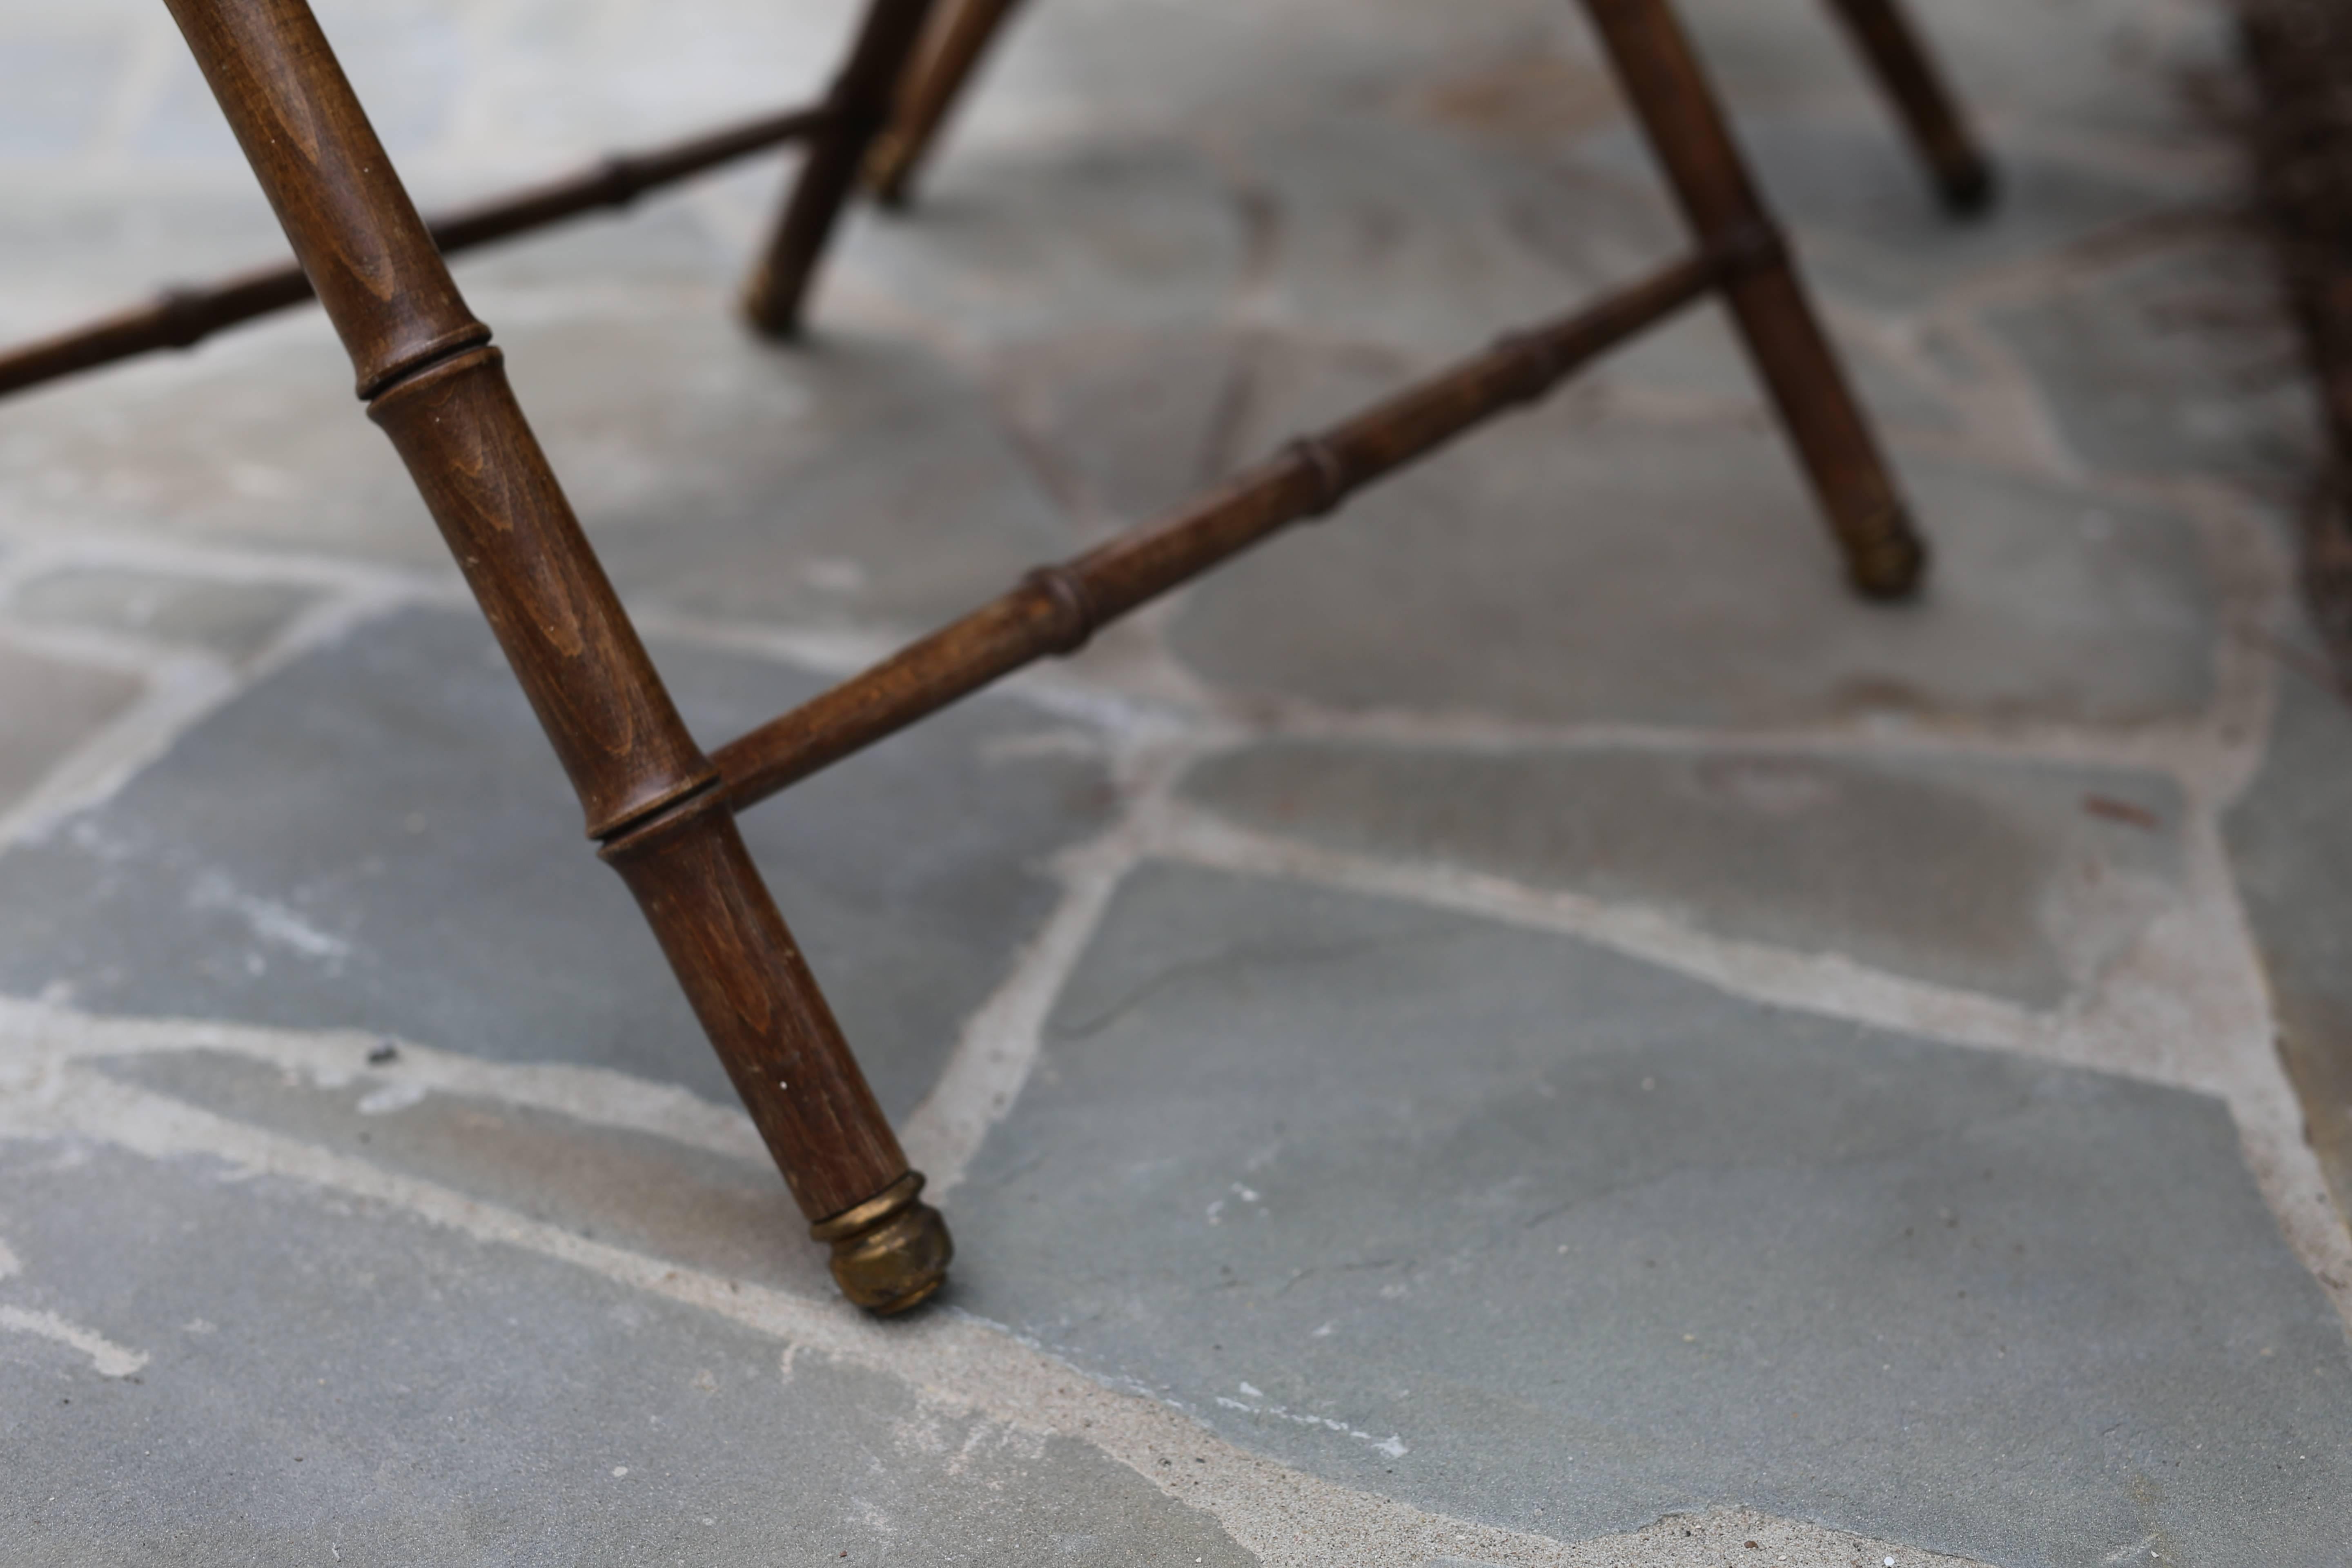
x,y
2022,881
2179,363
53,93
1531,98
1129,427
91,248
378,837
1376,232
343,1383
407,62
1373,230
726,1215
236,620
252,436
2290,841
1698,361
1093,72
49,707
2110,75
1866,216
1495,1221
1558,568
1107,232
659,239
857,482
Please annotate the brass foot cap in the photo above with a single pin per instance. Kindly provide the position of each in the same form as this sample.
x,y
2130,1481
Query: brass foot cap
x,y
891,1252
1893,561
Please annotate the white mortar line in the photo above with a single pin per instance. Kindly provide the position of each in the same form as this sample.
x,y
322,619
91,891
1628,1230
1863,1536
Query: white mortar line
x,y
37,551
179,692
37,1038
106,1358
999,1044
1827,983
183,690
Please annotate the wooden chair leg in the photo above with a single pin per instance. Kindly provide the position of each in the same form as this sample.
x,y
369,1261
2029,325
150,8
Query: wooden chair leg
x,y
1890,42
650,796
1670,94
959,35
859,102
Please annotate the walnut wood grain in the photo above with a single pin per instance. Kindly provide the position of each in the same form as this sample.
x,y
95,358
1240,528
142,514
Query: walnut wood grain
x,y
751,988
456,425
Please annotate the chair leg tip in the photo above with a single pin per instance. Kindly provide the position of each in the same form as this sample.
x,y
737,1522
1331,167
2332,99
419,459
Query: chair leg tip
x,y
890,173
890,1254
775,328
1968,189
1893,566
768,311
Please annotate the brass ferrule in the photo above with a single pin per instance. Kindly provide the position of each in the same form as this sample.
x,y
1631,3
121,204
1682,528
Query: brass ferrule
x,y
890,1252
1889,559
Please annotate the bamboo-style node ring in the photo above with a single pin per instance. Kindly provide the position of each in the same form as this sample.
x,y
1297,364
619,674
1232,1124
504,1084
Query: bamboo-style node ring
x,y
1325,467
1075,616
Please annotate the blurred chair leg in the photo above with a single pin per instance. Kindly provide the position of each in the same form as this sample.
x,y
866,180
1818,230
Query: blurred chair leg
x,y
1671,96
1890,41
959,35
859,105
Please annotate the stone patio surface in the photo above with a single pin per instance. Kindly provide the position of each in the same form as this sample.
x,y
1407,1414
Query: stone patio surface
x,y
1517,1027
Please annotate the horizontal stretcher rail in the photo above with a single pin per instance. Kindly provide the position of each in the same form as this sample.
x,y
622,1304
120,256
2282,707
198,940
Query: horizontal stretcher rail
x,y
182,317
1055,609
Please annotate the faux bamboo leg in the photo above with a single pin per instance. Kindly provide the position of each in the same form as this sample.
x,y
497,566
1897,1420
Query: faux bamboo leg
x,y
859,105
1671,96
1890,42
959,35
648,792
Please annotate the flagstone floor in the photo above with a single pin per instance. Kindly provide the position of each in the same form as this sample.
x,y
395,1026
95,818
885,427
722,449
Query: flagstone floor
x,y
1519,1025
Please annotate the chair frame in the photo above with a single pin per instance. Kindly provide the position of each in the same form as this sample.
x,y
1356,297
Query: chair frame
x,y
661,811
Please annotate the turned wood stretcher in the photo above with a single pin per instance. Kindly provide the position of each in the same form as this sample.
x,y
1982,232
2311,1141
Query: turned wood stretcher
x,y
661,811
